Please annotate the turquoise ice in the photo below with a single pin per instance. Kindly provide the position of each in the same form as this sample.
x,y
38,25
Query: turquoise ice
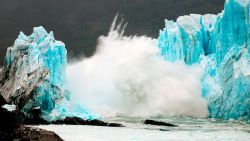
x,y
41,61
221,44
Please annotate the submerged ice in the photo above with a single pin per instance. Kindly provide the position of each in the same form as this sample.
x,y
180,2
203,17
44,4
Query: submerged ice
x,y
221,44
33,76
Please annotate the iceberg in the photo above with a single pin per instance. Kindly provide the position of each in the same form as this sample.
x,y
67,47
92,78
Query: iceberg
x,y
33,77
221,45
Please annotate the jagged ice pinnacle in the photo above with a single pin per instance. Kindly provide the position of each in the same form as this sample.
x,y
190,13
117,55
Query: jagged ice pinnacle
x,y
33,76
221,44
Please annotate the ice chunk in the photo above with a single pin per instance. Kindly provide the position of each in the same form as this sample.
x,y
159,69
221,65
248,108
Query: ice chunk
x,y
9,107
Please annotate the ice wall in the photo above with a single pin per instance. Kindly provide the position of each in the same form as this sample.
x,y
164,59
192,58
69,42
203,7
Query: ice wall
x,y
221,44
33,76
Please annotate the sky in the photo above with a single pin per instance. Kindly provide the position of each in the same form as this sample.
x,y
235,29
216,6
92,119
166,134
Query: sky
x,y
78,23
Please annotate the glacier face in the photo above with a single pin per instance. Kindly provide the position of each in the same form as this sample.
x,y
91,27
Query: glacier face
x,y
33,77
221,44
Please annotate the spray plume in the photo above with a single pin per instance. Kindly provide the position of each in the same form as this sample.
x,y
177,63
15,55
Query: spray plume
x,y
128,76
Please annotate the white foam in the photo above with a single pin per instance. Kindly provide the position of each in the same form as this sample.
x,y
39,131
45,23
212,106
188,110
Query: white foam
x,y
127,76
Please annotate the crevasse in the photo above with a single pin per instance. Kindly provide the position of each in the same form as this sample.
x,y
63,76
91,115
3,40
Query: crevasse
x,y
221,44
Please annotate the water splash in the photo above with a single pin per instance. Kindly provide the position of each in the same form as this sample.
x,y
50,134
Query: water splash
x,y
127,76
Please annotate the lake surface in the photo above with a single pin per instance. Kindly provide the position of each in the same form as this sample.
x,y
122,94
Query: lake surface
x,y
188,129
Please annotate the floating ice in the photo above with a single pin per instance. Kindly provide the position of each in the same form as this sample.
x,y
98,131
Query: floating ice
x,y
9,107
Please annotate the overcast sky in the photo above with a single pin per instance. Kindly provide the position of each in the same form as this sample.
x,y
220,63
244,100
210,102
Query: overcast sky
x,y
78,23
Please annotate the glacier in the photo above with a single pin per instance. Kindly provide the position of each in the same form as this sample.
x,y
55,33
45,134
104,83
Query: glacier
x,y
221,45
33,77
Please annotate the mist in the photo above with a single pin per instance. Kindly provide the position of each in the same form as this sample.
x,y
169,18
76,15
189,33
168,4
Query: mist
x,y
128,76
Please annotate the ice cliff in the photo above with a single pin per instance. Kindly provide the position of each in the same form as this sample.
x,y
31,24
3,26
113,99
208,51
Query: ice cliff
x,y
221,44
33,77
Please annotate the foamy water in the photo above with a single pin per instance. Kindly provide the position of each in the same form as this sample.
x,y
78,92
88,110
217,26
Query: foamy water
x,y
128,76
189,130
